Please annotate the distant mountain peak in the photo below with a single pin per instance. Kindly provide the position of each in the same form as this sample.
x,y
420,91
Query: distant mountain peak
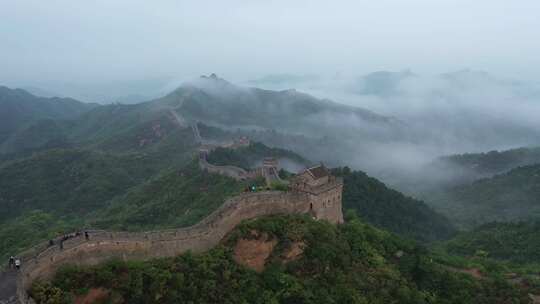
x,y
211,76
204,81
214,78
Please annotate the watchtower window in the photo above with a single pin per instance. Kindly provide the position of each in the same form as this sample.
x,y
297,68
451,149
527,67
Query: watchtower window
x,y
310,206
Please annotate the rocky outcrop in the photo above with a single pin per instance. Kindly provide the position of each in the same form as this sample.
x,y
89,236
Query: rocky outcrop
x,y
253,252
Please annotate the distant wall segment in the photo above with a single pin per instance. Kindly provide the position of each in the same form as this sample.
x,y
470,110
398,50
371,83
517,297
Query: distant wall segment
x,y
230,171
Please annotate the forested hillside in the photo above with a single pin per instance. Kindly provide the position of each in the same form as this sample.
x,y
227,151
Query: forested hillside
x,y
68,181
55,192
493,162
73,190
389,209
62,190
516,242
19,110
84,179
459,170
509,196
175,198
303,261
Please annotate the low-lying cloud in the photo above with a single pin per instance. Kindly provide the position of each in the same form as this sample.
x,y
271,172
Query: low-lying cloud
x,y
458,112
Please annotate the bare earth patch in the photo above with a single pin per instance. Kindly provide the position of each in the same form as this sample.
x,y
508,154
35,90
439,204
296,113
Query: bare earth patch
x,y
94,295
294,252
474,272
253,253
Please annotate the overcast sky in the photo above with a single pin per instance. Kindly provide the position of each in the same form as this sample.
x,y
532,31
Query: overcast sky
x,y
110,40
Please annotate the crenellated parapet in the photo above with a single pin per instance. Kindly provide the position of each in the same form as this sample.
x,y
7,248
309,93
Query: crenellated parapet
x,y
42,261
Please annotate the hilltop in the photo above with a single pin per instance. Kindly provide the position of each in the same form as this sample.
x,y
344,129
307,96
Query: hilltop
x,y
213,99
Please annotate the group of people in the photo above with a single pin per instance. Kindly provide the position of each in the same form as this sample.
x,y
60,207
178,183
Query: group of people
x,y
254,188
66,237
14,263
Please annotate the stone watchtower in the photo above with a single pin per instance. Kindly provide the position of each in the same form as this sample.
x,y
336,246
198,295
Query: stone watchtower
x,y
270,162
270,168
324,192
203,153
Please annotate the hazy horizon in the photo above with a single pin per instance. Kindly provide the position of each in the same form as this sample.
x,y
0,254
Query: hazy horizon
x,y
113,41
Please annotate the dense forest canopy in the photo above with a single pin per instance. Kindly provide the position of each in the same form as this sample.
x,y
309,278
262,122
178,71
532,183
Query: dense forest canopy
x,y
389,209
510,196
108,196
515,242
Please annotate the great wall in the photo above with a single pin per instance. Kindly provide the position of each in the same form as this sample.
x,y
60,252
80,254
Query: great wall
x,y
268,170
313,191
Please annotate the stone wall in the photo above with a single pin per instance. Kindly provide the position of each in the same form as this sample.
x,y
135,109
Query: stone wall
x,y
230,171
42,261
268,170
270,174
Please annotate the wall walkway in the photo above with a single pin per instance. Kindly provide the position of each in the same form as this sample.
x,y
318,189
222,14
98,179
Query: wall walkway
x,y
42,261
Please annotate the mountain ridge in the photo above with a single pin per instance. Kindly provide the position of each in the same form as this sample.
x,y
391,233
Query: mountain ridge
x,y
19,110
